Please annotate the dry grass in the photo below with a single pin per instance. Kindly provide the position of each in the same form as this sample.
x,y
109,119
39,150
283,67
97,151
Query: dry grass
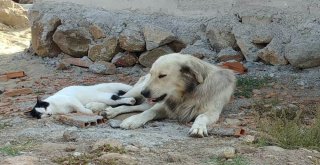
x,y
285,126
91,157
245,85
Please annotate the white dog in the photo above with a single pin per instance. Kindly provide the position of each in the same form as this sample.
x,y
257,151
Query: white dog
x,y
181,87
74,98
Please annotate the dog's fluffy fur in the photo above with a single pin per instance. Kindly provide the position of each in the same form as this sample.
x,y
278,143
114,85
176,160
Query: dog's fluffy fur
x,y
181,87
74,98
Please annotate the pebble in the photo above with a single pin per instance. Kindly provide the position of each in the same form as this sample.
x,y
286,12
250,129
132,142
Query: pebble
x,y
76,154
69,135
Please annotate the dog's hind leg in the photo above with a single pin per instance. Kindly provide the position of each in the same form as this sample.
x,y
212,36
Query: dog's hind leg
x,y
138,120
113,112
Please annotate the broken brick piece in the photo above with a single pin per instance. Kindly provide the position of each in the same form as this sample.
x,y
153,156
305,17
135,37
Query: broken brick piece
x,y
235,66
17,74
3,78
84,62
18,92
81,120
236,132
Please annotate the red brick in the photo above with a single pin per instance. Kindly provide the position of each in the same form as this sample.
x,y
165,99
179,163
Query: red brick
x,y
16,74
18,92
235,66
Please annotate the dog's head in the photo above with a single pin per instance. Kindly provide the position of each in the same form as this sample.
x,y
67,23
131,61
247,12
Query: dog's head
x,y
40,110
171,76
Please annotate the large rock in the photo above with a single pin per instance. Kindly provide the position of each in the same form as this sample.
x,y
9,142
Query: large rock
x,y
132,40
125,59
96,32
148,58
273,53
243,37
13,14
156,36
199,49
42,31
104,51
73,41
220,35
304,51
228,54
102,67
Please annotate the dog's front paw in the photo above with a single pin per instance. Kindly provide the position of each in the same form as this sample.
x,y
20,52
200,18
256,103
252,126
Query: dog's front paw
x,y
198,130
110,112
129,100
132,122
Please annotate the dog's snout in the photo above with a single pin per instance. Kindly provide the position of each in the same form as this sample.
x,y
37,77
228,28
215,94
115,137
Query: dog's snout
x,y
145,93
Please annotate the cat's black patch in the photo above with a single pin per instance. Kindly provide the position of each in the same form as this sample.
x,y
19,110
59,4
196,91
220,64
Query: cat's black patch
x,y
40,104
121,92
115,97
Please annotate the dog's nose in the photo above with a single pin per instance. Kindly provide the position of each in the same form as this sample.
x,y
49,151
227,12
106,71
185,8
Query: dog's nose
x,y
145,93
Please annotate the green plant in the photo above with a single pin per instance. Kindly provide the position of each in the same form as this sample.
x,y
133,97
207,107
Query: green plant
x,y
238,160
284,128
245,85
15,149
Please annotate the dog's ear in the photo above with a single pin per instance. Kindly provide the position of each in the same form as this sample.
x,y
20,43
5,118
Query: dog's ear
x,y
190,72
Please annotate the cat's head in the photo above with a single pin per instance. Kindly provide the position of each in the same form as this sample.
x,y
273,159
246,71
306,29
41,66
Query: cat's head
x,y
40,109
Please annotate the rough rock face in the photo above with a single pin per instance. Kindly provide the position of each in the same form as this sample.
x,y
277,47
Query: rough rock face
x,y
102,67
199,49
72,41
228,54
273,53
104,51
242,35
304,51
132,40
156,36
149,57
12,14
257,17
41,32
125,59
220,35
96,32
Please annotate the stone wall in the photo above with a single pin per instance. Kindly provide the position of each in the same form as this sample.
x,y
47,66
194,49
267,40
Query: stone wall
x,y
276,33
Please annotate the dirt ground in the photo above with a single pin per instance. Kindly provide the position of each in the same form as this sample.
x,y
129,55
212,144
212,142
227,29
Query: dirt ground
x,y
159,142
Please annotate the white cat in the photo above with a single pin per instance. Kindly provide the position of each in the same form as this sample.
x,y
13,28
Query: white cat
x,y
74,98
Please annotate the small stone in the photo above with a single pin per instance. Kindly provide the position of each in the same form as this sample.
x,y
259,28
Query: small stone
x,y
70,149
274,149
233,122
84,62
126,59
249,138
111,142
174,157
114,123
102,67
63,66
228,152
70,136
131,148
76,154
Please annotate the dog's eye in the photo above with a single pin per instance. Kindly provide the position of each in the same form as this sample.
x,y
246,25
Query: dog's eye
x,y
162,75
